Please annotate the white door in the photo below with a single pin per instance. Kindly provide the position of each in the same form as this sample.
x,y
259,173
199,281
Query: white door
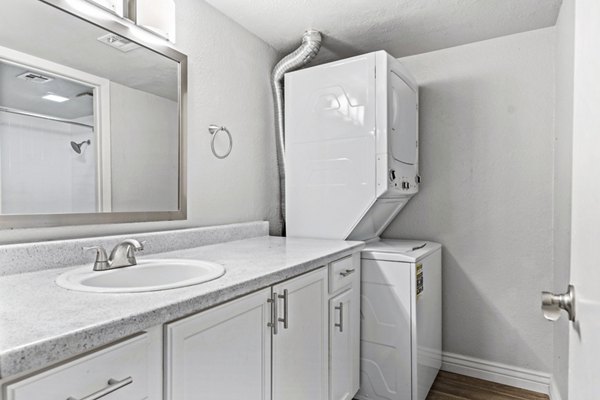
x,y
403,120
221,354
584,337
342,343
300,350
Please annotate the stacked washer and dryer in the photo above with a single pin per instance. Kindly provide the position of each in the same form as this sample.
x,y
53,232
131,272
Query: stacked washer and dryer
x,y
351,139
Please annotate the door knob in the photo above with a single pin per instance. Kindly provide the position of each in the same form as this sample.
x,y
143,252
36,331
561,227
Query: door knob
x,y
553,303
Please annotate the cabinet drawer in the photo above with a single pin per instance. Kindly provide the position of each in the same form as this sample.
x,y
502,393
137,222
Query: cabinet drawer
x,y
124,364
342,273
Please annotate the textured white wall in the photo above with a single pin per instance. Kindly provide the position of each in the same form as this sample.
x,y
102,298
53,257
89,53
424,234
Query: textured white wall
x,y
486,135
563,158
228,85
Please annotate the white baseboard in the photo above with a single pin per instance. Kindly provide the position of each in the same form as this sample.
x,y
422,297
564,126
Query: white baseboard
x,y
499,373
554,392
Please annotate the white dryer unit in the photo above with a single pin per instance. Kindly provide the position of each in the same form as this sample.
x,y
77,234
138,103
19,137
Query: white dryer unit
x,y
401,327
351,147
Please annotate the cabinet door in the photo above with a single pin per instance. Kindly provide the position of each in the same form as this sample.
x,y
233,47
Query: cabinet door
x,y
221,354
300,351
342,321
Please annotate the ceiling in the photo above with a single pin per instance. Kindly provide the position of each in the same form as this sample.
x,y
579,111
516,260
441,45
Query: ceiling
x,y
402,27
27,96
35,28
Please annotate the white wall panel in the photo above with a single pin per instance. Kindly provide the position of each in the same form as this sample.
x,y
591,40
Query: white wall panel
x,y
486,142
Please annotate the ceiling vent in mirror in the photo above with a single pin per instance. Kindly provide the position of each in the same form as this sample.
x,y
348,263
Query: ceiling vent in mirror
x,y
118,42
35,77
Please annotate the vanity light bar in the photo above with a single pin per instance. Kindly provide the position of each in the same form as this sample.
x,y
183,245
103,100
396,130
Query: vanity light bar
x,y
113,6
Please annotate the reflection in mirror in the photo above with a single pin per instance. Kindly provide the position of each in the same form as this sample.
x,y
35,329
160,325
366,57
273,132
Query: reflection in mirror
x,y
46,130
89,120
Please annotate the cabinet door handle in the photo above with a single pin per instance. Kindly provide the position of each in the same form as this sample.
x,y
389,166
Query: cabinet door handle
x,y
347,272
113,385
285,318
273,323
341,324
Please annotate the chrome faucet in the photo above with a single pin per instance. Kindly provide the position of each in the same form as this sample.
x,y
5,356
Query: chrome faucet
x,y
123,255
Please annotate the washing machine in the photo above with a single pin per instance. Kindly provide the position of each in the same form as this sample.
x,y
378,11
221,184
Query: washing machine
x,y
401,319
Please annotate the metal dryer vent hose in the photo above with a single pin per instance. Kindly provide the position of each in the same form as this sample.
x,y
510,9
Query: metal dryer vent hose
x,y
311,44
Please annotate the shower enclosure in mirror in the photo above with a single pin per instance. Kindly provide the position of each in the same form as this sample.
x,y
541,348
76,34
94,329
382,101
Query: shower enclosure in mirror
x,y
90,118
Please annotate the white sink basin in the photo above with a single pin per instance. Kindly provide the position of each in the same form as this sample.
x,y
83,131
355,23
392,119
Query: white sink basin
x,y
147,276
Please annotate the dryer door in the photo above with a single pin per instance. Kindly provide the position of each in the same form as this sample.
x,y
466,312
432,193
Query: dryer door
x,y
403,121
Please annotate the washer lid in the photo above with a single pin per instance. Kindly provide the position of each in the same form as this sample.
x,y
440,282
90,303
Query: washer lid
x,y
399,250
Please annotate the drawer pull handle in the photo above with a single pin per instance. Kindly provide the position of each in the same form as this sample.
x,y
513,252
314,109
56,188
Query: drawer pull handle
x,y
273,323
113,385
341,310
347,272
285,318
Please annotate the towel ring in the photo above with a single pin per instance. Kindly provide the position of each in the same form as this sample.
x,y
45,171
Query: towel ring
x,y
214,130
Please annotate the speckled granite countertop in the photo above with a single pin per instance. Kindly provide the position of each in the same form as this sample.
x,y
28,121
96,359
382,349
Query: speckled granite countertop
x,y
42,323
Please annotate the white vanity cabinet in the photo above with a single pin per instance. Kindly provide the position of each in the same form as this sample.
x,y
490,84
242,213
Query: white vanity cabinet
x,y
344,328
296,340
227,353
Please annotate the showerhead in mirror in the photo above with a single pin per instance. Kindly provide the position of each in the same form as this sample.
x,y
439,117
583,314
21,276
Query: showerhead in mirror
x,y
77,146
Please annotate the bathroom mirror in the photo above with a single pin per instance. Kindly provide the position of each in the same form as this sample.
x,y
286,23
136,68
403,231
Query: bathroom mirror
x,y
91,118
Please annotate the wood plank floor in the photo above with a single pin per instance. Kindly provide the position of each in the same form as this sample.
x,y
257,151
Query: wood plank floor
x,y
449,386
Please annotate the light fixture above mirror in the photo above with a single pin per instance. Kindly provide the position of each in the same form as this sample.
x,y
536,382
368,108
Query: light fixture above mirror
x,y
114,6
156,16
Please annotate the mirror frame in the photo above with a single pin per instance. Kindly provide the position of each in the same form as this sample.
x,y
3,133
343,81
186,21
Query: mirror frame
x,y
124,28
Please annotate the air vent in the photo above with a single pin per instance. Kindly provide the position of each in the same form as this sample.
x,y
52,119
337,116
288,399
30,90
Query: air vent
x,y
118,42
35,77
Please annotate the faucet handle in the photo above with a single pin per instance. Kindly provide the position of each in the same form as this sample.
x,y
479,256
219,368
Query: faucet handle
x,y
100,252
101,262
